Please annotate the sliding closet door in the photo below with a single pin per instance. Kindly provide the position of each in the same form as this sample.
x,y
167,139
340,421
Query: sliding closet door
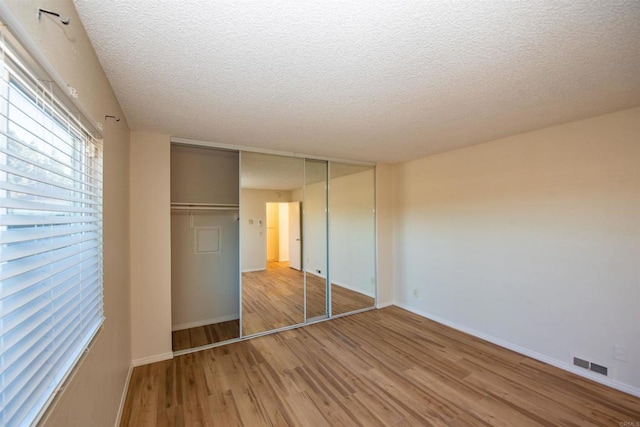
x,y
270,221
315,239
204,246
352,237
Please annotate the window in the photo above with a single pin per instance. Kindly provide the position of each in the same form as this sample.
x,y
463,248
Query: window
x,y
50,242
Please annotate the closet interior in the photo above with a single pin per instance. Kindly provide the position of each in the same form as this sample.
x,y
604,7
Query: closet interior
x,y
264,242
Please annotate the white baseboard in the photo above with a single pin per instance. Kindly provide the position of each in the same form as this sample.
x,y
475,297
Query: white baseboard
x,y
123,399
385,304
251,270
205,322
609,382
322,276
152,359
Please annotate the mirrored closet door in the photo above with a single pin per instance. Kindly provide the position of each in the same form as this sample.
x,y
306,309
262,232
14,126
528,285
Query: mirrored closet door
x,y
262,242
315,239
352,239
205,298
272,253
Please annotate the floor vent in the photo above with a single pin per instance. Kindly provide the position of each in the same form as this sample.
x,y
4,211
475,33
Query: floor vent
x,y
599,369
591,366
580,362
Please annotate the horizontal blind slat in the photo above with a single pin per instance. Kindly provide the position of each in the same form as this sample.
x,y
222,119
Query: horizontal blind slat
x,y
17,235
13,253
25,174
58,175
44,193
46,220
27,302
39,261
42,207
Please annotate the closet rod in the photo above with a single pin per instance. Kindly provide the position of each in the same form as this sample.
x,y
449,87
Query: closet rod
x,y
204,208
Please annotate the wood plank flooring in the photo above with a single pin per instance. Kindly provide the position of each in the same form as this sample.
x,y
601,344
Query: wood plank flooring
x,y
273,299
378,368
203,335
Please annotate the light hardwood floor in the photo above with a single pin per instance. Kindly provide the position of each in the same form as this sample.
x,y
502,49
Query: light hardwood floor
x,y
378,368
204,335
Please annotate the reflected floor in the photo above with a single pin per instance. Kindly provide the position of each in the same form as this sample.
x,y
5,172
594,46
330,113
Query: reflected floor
x,y
205,335
274,298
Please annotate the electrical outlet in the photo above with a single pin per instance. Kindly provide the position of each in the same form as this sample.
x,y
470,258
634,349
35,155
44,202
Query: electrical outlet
x,y
415,293
620,353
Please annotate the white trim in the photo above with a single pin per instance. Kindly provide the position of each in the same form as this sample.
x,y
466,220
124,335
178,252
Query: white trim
x,y
204,322
123,399
609,382
233,147
152,359
352,289
385,304
251,270
313,273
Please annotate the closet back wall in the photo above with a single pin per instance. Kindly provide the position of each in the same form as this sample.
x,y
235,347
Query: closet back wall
x,y
204,286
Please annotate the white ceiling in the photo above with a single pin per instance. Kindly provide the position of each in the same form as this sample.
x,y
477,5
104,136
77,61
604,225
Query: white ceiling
x,y
382,81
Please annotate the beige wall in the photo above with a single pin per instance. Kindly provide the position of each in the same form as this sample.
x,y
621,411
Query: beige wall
x,y
150,247
93,394
532,241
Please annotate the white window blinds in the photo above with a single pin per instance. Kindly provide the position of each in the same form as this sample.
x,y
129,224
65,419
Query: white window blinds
x,y
50,242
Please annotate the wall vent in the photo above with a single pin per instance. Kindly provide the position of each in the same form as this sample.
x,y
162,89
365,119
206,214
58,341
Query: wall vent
x,y
580,362
599,369
591,366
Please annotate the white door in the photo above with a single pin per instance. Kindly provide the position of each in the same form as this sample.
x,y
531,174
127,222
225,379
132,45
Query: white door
x,y
295,238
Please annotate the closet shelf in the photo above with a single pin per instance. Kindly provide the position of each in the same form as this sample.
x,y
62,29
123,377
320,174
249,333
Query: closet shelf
x,y
204,207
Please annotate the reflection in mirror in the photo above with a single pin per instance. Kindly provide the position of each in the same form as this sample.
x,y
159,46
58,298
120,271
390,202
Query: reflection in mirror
x,y
270,226
315,238
352,237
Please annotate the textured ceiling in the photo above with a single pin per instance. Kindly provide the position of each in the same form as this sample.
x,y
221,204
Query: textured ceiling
x,y
380,81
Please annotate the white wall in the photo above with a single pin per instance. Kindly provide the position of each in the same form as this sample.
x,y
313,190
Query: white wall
x,y
95,391
352,232
314,225
254,236
384,235
150,247
532,240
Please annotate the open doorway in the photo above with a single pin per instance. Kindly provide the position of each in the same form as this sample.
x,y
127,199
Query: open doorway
x,y
283,234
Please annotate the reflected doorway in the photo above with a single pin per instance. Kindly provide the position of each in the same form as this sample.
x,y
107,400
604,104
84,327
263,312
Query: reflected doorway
x,y
283,234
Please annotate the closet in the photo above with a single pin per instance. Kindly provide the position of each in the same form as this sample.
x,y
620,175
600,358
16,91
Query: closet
x,y
265,242
205,299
